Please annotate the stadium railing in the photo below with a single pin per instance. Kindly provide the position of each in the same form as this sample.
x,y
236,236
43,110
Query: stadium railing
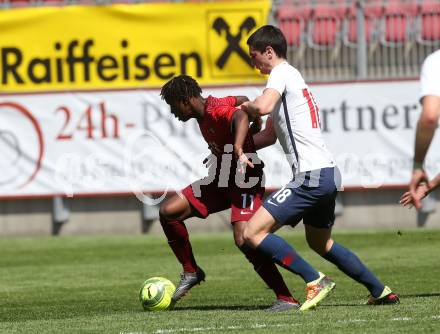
x,y
326,45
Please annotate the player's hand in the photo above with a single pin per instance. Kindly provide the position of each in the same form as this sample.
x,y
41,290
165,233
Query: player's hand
x,y
242,159
256,125
244,106
408,200
250,108
419,178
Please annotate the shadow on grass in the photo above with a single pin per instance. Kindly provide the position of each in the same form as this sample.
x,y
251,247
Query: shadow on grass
x,y
248,307
344,305
418,295
421,295
221,307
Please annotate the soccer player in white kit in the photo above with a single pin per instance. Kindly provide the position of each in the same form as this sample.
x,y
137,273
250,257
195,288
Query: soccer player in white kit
x,y
420,186
310,196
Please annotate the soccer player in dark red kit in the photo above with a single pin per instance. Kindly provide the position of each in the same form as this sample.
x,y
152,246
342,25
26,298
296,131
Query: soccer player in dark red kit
x,y
219,191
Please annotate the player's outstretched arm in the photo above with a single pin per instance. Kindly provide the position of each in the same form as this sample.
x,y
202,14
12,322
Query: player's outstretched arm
x,y
426,127
257,122
241,127
263,104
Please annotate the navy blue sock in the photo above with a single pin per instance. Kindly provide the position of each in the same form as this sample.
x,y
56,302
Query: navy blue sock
x,y
283,254
351,265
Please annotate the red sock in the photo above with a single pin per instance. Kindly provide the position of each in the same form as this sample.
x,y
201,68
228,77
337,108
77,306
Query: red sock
x,y
178,239
269,272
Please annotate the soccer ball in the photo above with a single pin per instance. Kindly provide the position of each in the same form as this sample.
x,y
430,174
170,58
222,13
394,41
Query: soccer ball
x,y
156,293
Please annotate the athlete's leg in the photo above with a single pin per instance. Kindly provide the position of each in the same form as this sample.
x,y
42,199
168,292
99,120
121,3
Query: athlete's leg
x,y
319,239
264,267
318,227
208,199
318,285
287,207
257,234
172,213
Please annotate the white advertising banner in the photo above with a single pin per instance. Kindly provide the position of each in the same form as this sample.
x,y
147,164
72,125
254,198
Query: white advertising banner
x,y
128,142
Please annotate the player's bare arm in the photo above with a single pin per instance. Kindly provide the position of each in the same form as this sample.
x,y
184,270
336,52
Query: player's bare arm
x,y
241,127
263,104
257,122
267,137
426,127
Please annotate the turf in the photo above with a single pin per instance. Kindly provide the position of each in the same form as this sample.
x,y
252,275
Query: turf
x,y
90,285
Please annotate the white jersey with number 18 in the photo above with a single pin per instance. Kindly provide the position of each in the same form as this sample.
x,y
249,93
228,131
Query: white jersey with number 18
x,y
296,121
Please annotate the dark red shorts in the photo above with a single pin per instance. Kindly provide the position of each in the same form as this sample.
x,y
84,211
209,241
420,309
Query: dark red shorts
x,y
211,198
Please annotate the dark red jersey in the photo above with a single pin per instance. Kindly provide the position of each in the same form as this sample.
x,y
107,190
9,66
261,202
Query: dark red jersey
x,y
216,125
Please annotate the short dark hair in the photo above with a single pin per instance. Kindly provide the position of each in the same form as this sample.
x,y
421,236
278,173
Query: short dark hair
x,y
180,89
269,35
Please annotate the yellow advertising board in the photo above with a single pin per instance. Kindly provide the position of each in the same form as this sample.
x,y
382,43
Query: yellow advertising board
x,y
127,45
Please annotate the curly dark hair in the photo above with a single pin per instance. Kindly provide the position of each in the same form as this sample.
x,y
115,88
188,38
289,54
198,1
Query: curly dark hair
x,y
180,89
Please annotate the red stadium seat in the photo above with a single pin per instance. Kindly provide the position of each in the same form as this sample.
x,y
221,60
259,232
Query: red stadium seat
x,y
292,22
396,22
325,24
20,3
428,23
52,2
372,14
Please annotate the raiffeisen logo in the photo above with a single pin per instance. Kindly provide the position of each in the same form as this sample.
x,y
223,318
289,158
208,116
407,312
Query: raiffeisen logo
x,y
79,62
228,32
223,29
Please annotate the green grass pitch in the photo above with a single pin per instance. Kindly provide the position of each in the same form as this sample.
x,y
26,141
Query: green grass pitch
x,y
90,284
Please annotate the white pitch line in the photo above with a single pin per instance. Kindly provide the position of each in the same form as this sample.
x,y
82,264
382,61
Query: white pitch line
x,y
355,320
263,326
198,329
